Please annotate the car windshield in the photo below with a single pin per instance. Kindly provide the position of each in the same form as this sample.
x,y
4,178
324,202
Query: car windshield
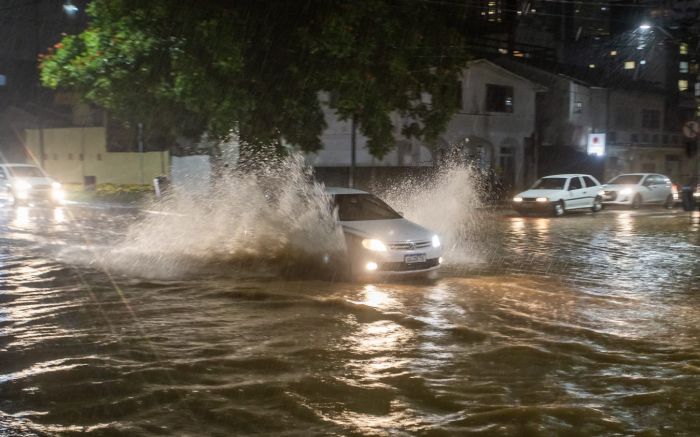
x,y
626,179
549,184
26,172
356,207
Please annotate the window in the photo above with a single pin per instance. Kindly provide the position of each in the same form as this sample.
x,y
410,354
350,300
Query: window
x,y
591,65
99,157
612,137
682,85
683,48
613,53
575,184
629,65
578,107
589,182
55,156
697,89
70,156
683,67
81,157
634,138
648,167
665,139
645,138
499,98
651,119
655,138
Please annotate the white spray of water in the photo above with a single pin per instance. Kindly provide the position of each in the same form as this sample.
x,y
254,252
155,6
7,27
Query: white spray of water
x,y
447,202
272,217
279,216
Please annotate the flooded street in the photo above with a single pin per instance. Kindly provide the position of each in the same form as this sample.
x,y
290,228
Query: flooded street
x,y
581,325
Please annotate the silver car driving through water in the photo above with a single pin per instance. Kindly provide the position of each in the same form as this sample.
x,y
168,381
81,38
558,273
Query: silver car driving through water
x,y
380,241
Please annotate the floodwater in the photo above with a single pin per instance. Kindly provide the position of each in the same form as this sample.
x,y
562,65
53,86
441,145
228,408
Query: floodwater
x,y
582,325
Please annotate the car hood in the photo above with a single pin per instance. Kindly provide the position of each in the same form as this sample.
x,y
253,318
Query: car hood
x,y
619,186
541,193
388,230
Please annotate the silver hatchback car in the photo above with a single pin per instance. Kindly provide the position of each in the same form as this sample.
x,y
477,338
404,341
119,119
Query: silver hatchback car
x,y
637,189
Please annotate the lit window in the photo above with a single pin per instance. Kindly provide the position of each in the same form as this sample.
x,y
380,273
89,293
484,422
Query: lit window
x,y
629,65
591,65
613,53
682,85
683,67
683,48
578,107
642,62
503,51
697,89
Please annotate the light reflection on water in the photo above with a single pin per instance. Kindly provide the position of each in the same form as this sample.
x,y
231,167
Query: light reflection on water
x,y
572,328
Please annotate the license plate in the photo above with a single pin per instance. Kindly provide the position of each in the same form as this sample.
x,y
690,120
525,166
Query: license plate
x,y
416,258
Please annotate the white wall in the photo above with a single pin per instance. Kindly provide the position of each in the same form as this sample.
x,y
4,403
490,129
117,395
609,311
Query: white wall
x,y
191,173
499,129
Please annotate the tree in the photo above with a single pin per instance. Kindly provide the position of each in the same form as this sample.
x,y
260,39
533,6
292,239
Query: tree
x,y
190,67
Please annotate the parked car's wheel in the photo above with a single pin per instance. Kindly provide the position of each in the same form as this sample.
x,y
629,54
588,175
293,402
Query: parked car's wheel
x,y
668,204
597,204
637,201
559,209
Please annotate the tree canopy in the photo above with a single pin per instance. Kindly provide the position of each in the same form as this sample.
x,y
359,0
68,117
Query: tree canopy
x,y
210,65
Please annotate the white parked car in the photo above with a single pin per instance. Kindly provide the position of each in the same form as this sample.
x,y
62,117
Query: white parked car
x,y
379,240
25,183
636,189
557,194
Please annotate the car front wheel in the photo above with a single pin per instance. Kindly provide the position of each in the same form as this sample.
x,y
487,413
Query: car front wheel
x,y
559,209
637,201
597,204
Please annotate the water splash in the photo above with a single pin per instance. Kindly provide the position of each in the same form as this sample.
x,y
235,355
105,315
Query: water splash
x,y
448,202
274,218
270,218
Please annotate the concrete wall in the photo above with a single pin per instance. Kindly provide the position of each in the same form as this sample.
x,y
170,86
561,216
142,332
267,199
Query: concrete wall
x,y
499,134
70,154
626,116
192,173
336,140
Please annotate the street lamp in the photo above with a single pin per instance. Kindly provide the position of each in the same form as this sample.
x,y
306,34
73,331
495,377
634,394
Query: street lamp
x,y
69,8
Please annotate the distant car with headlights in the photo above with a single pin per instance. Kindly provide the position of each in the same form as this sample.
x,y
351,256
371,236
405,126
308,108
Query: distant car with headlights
x,y
379,241
637,189
557,194
26,183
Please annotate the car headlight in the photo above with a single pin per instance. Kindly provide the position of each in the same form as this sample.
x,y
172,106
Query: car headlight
x,y
626,191
56,185
517,199
542,199
374,245
436,241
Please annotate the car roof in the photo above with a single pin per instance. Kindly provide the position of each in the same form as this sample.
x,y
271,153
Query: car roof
x,y
343,190
640,174
565,175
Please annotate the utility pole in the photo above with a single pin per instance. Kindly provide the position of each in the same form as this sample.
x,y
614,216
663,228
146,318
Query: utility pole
x,y
353,149
141,153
